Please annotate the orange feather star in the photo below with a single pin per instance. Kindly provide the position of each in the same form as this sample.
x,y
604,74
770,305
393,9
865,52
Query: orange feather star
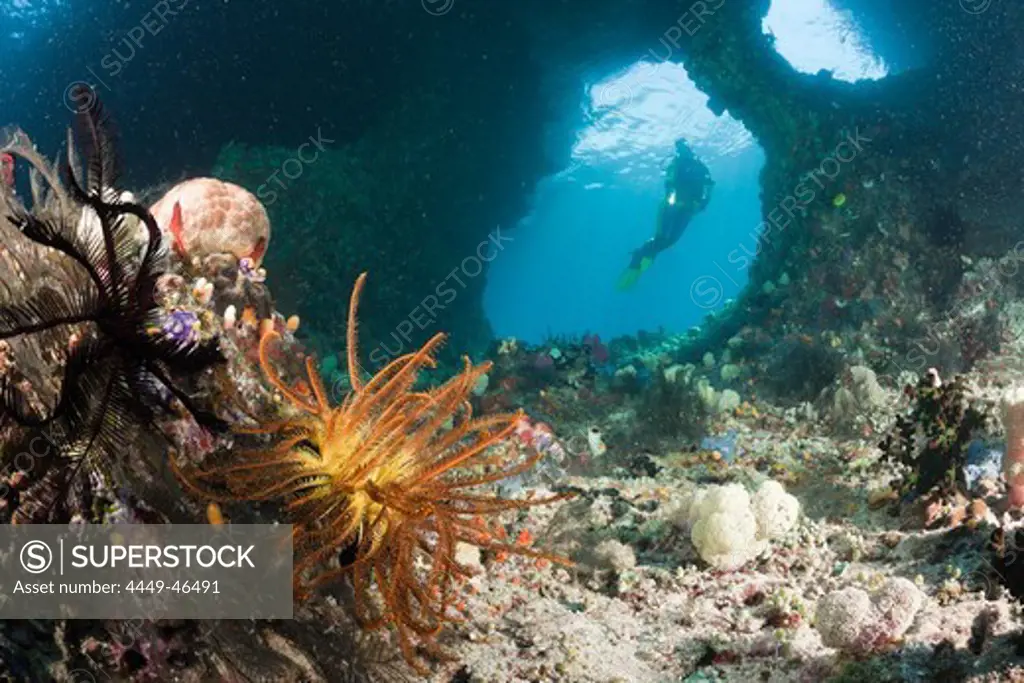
x,y
394,476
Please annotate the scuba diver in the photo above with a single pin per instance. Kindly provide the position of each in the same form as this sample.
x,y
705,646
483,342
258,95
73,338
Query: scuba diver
x,y
687,191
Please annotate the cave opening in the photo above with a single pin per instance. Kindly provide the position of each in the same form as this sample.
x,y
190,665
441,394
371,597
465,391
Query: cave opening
x,y
558,278
815,35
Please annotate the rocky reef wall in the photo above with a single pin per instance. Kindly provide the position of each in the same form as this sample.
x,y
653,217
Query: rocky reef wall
x,y
880,217
423,199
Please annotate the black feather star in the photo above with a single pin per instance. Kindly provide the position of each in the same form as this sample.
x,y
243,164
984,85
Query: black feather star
x,y
119,375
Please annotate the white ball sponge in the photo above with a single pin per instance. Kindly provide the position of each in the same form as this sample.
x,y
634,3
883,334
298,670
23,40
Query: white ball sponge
x,y
728,528
693,506
852,621
614,555
841,617
898,602
725,530
776,511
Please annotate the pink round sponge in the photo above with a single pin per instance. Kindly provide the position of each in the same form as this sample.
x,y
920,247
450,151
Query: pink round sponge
x,y
204,216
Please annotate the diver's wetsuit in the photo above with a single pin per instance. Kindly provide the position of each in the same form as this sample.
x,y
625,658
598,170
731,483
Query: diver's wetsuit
x,y
688,186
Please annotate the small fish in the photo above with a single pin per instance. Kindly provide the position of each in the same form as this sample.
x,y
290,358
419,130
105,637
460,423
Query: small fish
x,y
259,250
249,316
214,514
177,229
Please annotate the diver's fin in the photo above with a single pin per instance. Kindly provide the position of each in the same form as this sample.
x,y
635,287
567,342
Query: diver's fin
x,y
628,278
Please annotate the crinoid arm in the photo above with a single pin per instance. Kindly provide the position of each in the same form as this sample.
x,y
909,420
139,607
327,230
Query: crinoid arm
x,y
352,334
314,404
47,309
391,480
186,358
114,246
95,138
12,401
48,195
58,222
120,375
150,382
59,234
98,407
156,249
96,410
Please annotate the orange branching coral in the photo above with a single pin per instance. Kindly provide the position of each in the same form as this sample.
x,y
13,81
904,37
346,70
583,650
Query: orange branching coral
x,y
394,476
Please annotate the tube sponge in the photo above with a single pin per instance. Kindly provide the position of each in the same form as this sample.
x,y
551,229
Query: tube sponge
x,y
1013,463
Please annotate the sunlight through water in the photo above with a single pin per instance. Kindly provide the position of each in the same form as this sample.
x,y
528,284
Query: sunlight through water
x,y
812,35
638,114
16,16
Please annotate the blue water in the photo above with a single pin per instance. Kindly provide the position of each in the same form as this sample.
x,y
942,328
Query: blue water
x,y
558,277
